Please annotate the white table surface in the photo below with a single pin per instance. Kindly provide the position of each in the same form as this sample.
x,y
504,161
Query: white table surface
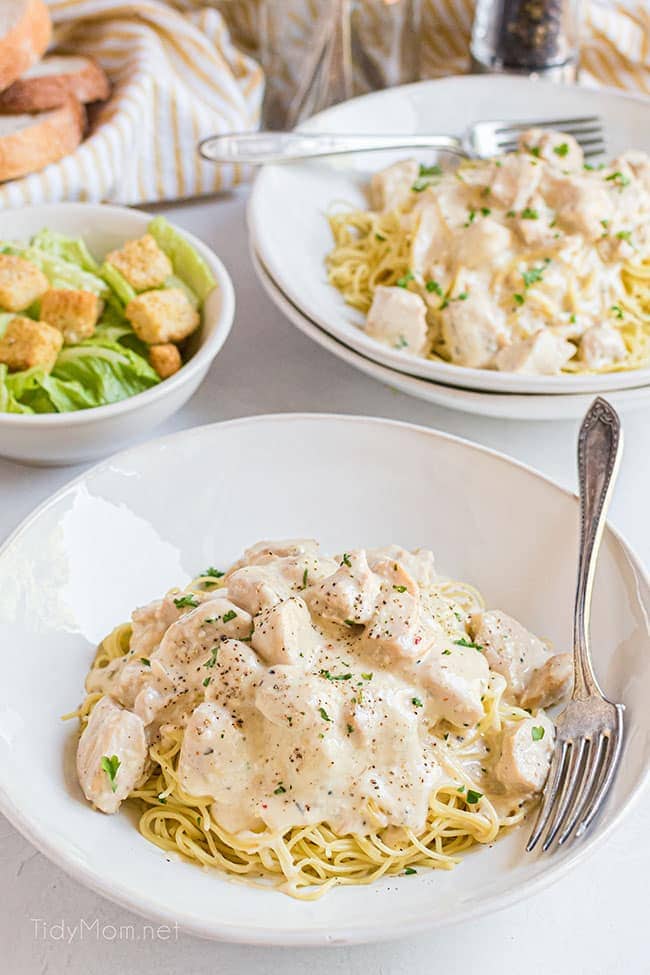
x,y
593,922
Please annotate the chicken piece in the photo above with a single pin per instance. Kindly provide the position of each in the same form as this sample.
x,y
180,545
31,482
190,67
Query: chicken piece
x,y
484,244
535,225
543,354
349,594
515,181
550,683
526,748
429,238
165,359
290,548
21,282
217,760
26,343
419,564
73,312
149,624
256,588
602,345
510,649
122,679
142,263
557,148
236,672
394,629
284,633
193,637
581,203
159,317
392,187
111,732
457,678
473,325
637,164
398,317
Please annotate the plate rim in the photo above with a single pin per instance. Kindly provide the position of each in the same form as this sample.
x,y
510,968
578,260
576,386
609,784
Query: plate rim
x,y
365,932
470,378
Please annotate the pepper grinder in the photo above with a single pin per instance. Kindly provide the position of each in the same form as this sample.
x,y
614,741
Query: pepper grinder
x,y
531,37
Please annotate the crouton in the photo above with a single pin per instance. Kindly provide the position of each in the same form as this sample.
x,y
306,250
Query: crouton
x,y
162,316
27,343
165,359
142,263
74,313
21,282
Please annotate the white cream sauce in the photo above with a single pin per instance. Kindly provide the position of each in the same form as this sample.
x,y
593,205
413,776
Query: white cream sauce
x,y
310,689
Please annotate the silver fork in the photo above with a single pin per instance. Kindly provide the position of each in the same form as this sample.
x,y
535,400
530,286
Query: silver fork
x,y
482,140
589,732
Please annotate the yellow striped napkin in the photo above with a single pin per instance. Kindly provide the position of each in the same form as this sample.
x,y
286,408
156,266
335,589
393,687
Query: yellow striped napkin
x,y
177,77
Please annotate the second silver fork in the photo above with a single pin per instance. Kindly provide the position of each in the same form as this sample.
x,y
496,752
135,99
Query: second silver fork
x,y
589,732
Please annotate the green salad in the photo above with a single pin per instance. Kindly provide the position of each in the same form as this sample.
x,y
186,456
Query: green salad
x,y
77,332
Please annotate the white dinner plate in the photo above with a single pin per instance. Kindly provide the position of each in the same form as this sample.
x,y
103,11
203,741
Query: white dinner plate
x,y
289,203
512,406
151,517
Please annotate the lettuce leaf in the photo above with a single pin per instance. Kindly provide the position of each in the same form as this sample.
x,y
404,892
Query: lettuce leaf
x,y
118,283
8,401
60,272
188,265
72,249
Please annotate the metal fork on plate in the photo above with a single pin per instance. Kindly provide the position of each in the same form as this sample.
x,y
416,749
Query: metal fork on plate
x,y
589,732
480,141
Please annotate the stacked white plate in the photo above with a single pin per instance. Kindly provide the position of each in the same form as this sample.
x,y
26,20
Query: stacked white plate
x,y
290,237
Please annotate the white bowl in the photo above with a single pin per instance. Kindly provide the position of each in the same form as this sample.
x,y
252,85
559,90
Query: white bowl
x,y
289,204
152,516
69,438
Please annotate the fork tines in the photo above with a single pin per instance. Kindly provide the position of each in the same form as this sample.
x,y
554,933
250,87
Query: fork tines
x,y
586,129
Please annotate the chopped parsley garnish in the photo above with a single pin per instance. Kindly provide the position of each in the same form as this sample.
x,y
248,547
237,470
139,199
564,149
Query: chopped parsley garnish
x,y
161,799
618,311
463,296
399,588
206,681
486,211
619,179
380,237
461,788
471,217
328,676
324,715
401,343
211,661
572,319
473,797
511,213
188,600
468,643
562,149
425,178
434,170
230,615
346,559
145,661
528,214
446,653
534,151
350,623
416,702
367,676
433,286
304,579
625,235
404,280
350,729
213,573
279,791
409,871
605,223
533,276
110,766
537,733
519,299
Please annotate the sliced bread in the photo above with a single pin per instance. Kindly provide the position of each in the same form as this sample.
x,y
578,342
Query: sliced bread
x,y
28,143
25,32
52,81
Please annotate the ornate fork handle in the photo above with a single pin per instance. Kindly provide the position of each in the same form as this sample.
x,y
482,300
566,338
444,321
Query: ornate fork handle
x,y
600,447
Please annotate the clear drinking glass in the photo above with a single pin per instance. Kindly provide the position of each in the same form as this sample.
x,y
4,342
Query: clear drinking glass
x,y
527,37
319,52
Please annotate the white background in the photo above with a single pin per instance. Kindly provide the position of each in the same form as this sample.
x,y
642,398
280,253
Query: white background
x,y
593,922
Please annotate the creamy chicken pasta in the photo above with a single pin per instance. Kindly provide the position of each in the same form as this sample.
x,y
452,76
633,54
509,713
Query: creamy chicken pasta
x,y
533,262
311,721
